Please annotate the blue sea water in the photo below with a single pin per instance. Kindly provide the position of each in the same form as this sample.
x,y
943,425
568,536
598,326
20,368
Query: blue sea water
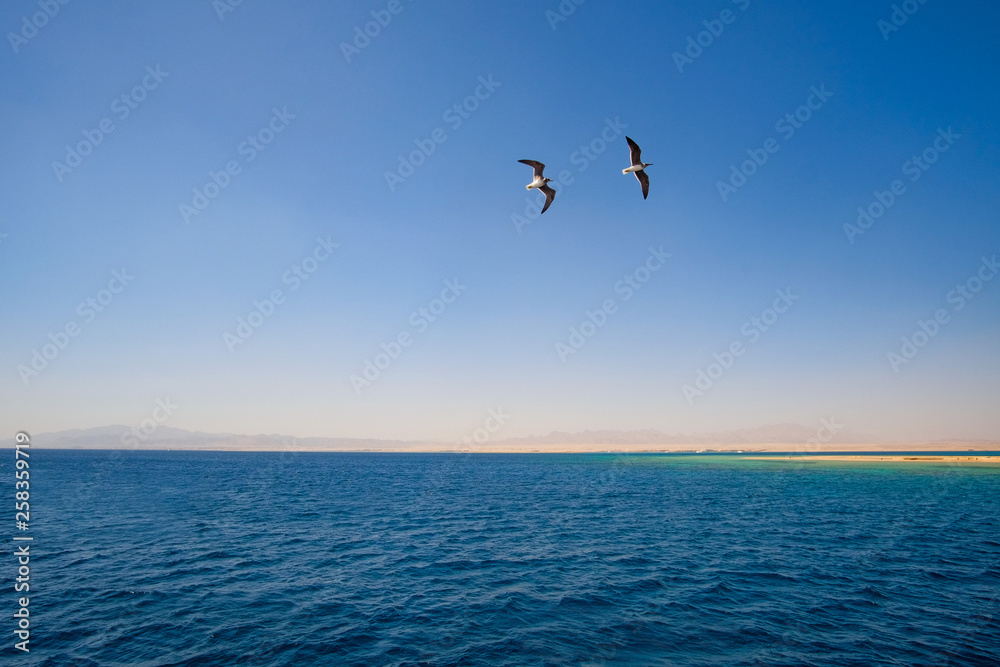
x,y
204,558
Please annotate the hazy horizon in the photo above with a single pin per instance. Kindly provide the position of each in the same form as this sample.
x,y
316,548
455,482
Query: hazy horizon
x,y
275,223
828,437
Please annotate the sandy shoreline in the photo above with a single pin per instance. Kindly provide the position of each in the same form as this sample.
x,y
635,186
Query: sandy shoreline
x,y
983,452
756,449
871,458
772,452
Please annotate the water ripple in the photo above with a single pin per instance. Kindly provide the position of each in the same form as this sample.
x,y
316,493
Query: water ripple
x,y
187,559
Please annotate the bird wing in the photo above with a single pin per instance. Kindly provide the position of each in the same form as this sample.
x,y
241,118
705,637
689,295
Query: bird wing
x,y
550,194
635,151
644,181
536,165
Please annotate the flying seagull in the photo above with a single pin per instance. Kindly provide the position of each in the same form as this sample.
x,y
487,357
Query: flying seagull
x,y
637,167
540,182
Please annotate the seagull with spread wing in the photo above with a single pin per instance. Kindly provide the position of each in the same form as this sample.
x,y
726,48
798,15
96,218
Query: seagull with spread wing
x,y
540,182
638,166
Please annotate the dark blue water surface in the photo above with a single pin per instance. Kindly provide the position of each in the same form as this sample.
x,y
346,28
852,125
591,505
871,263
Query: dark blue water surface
x,y
185,558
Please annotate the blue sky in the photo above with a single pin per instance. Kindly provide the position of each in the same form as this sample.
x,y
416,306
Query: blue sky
x,y
278,72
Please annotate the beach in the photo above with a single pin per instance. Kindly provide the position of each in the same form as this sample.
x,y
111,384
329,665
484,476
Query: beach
x,y
872,458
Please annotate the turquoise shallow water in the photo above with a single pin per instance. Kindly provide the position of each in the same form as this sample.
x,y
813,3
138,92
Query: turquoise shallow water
x,y
183,558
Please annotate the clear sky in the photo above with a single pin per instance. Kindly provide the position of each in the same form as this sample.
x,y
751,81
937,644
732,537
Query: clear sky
x,y
117,115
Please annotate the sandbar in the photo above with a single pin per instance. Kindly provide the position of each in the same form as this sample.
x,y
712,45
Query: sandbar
x,y
871,458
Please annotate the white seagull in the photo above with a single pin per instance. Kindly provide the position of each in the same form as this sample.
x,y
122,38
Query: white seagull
x,y
637,167
540,182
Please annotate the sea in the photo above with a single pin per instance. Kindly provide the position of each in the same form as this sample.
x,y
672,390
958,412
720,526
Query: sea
x,y
187,558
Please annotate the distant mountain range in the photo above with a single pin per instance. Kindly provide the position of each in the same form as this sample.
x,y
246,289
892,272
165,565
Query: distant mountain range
x,y
164,437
